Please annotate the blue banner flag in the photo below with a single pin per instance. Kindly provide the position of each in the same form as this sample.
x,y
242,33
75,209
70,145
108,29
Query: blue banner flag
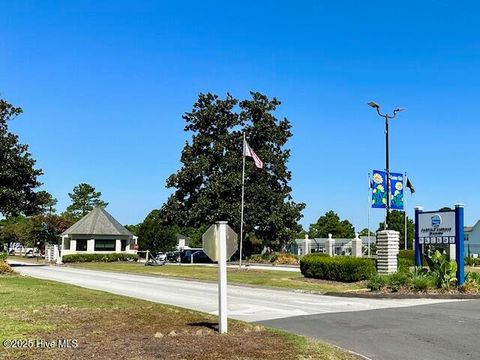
x,y
396,191
379,189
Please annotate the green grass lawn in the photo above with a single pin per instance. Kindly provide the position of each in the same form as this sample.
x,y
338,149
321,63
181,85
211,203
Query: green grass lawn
x,y
34,260
109,326
269,278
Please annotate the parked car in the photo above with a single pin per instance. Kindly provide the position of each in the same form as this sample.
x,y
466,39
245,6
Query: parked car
x,y
172,256
30,254
199,256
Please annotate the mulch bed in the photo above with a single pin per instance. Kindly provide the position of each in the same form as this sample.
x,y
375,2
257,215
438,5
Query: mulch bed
x,y
407,294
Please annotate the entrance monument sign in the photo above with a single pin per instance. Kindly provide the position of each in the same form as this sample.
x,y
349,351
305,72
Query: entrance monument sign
x,y
441,228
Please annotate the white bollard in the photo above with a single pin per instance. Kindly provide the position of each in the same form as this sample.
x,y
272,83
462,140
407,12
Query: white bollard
x,y
222,277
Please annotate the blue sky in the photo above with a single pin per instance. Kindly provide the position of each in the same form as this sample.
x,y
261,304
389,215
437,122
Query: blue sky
x,y
104,86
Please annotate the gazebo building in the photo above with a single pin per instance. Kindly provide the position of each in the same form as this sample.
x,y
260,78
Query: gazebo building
x,y
98,232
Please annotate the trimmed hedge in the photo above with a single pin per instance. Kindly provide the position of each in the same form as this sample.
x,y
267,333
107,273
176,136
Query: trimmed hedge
x,y
99,257
407,254
406,259
338,268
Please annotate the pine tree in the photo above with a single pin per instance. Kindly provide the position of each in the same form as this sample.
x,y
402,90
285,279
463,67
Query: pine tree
x,y
84,199
18,176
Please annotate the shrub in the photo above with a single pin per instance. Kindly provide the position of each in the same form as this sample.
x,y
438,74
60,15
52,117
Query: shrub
x,y
470,261
259,258
399,280
284,259
338,268
404,265
99,257
472,283
422,283
377,282
473,278
5,269
3,256
407,254
406,259
443,270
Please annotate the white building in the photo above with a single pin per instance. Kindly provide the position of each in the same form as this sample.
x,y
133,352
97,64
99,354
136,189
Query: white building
x,y
472,240
98,232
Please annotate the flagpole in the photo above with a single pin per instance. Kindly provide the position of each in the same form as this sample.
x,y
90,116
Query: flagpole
x,y
369,207
405,209
243,198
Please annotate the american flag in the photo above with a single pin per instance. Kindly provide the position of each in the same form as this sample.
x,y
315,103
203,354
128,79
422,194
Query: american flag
x,y
249,152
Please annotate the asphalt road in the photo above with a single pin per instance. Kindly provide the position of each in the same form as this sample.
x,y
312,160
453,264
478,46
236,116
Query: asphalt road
x,y
445,331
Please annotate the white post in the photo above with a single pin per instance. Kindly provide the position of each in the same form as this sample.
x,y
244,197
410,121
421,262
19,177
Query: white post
x,y
243,197
306,245
57,254
357,246
452,252
222,276
330,245
191,258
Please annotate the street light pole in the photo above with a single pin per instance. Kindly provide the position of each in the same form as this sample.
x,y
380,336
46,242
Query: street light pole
x,y
387,153
387,170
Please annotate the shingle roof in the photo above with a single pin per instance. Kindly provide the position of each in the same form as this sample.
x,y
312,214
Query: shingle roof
x,y
97,222
470,228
